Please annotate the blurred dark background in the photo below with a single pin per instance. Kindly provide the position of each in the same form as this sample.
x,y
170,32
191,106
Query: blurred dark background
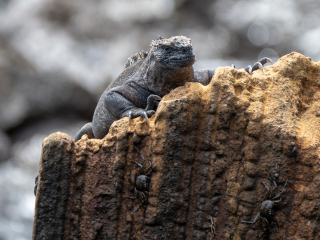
x,y
57,57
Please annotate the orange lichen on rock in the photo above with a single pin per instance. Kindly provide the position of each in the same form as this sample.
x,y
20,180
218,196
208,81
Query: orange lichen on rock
x,y
210,148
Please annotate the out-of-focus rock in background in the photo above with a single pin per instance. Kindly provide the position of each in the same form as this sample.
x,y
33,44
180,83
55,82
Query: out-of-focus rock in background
x,y
56,58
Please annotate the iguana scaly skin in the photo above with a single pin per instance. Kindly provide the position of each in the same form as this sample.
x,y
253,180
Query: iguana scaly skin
x,y
147,77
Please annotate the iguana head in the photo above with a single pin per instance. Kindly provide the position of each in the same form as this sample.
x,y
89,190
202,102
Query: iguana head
x,y
174,52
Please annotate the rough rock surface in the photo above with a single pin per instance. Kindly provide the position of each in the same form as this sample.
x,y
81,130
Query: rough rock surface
x,y
210,147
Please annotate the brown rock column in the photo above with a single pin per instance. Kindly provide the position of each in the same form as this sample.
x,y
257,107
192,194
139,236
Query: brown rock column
x,y
210,148
50,210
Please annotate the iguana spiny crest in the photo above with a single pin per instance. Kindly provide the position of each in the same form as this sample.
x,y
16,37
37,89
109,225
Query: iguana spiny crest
x,y
136,58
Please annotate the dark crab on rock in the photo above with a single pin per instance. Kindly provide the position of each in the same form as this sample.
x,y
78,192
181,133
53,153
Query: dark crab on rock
x,y
267,205
142,182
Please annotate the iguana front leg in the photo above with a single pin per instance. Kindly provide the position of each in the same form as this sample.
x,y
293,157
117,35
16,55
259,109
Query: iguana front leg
x,y
147,112
131,101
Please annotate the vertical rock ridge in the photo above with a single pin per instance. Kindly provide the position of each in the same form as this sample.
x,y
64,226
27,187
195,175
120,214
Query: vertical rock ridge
x,y
54,178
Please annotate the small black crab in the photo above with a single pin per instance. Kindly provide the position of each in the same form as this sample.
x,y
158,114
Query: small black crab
x,y
267,205
142,182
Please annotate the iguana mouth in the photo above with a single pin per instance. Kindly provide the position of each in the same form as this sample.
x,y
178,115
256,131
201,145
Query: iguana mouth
x,y
181,60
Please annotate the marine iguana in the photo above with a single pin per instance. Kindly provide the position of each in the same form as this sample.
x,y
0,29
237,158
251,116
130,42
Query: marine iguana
x,y
147,77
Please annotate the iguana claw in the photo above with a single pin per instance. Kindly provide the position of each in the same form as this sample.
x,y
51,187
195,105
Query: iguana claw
x,y
147,112
258,65
248,69
140,112
152,99
265,60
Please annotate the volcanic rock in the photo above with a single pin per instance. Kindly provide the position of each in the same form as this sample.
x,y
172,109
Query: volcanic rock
x,y
210,147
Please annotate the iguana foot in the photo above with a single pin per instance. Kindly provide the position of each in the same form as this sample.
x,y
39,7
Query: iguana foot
x,y
152,101
258,65
133,113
